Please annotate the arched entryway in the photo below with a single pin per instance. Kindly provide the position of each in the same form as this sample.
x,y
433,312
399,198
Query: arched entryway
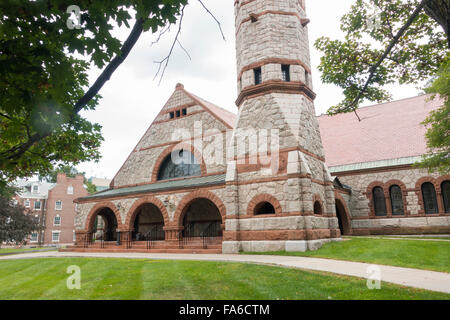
x,y
148,223
343,217
201,218
104,225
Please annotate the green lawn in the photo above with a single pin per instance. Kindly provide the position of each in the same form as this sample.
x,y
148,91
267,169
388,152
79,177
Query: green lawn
x,y
416,237
429,255
157,279
24,250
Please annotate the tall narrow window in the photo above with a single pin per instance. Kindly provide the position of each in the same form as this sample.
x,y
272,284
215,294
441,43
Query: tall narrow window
x,y
317,208
58,205
69,190
445,187
37,205
306,78
396,200
379,202
55,236
429,198
258,75
285,72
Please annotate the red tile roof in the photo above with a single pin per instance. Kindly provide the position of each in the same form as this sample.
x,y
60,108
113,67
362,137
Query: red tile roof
x,y
387,131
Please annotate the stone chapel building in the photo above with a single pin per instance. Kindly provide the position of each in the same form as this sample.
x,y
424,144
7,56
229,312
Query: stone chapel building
x,y
204,179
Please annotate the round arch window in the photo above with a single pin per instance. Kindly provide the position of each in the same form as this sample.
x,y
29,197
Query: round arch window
x,y
264,208
178,164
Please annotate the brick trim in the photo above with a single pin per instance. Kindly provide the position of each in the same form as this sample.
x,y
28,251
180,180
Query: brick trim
x,y
189,198
168,151
274,61
403,188
266,12
437,182
264,197
271,235
275,86
401,230
369,195
89,222
131,215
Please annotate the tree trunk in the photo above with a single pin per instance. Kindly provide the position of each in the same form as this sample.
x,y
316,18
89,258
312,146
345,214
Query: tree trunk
x,y
439,10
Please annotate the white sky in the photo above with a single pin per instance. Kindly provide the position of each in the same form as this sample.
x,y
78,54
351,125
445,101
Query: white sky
x,y
132,99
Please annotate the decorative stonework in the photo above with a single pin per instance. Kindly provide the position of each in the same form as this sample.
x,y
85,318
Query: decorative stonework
x,y
264,198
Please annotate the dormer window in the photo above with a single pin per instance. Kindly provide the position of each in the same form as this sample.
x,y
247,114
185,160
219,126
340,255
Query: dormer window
x,y
35,189
258,76
285,72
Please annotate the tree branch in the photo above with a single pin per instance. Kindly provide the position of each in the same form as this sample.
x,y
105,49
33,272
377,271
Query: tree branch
x,y
112,66
19,150
354,105
165,61
218,23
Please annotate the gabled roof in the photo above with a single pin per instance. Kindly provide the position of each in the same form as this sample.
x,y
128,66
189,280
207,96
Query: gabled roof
x,y
386,131
223,115
25,187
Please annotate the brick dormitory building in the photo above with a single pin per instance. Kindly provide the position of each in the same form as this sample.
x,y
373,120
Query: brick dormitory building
x,y
52,205
274,176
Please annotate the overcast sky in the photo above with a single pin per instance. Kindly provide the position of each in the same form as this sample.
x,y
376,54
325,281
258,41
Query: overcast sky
x,y
132,99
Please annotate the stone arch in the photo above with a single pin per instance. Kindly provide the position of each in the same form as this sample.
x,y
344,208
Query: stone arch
x,y
317,201
369,195
189,198
131,215
343,214
89,224
387,189
168,151
419,194
264,198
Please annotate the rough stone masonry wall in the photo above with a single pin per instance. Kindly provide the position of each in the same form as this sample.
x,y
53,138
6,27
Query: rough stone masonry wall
x,y
363,221
262,39
171,200
139,166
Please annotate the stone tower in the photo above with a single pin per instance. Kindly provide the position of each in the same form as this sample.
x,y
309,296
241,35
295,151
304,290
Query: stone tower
x,y
287,204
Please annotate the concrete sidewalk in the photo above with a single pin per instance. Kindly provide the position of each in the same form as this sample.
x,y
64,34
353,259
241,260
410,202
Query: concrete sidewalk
x,y
423,279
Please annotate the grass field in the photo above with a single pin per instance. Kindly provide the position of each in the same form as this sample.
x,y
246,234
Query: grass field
x,y
428,255
157,279
24,250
